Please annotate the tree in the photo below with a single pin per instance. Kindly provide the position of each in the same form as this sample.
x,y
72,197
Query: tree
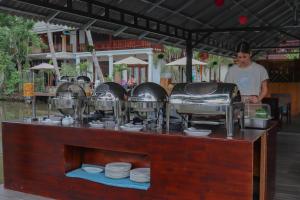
x,y
17,39
9,75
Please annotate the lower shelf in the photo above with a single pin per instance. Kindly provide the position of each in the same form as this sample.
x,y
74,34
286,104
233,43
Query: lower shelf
x,y
100,178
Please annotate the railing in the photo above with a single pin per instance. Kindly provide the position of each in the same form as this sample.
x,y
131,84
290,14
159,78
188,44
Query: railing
x,y
106,45
127,44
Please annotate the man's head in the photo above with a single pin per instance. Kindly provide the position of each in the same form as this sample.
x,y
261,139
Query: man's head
x,y
243,54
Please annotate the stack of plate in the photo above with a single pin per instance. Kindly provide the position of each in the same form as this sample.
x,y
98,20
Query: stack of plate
x,y
117,170
141,175
96,124
131,127
51,122
197,132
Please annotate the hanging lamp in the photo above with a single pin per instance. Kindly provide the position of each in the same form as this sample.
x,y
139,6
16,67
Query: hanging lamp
x,y
219,3
243,20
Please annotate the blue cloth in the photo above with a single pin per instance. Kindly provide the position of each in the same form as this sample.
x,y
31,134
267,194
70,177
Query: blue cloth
x,y
101,178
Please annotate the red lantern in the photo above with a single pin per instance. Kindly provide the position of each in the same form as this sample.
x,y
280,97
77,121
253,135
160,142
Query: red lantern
x,y
243,20
219,3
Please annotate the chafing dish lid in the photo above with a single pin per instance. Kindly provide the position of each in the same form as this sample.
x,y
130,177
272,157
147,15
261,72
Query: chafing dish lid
x,y
69,89
150,92
199,90
111,90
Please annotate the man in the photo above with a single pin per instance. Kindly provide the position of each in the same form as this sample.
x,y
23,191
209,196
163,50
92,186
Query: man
x,y
250,77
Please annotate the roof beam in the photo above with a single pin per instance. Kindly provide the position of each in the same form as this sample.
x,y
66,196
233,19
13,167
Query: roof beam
x,y
52,16
276,47
173,12
220,14
124,28
108,18
177,11
247,29
251,39
88,24
239,36
265,22
264,40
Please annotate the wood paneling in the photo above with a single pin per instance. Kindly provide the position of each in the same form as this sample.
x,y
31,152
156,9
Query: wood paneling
x,y
288,88
182,168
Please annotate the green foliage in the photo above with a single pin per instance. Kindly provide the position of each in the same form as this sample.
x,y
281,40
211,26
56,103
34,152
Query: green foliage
x,y
120,68
83,67
39,82
214,61
68,70
5,61
172,53
293,55
11,82
11,76
16,40
90,48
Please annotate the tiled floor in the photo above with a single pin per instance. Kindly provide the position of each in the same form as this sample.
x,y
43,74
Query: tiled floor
x,y
13,195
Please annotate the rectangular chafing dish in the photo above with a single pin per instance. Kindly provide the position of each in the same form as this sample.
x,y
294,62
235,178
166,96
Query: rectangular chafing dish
x,y
208,99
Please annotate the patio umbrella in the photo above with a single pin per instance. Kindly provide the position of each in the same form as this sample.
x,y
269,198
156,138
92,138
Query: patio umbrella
x,y
43,66
182,62
131,61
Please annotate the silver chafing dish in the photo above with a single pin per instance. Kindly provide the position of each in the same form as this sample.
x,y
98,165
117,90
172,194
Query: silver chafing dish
x,y
209,100
70,100
109,98
147,101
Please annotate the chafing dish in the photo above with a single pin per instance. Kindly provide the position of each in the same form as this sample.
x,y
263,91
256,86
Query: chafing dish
x,y
208,100
69,100
109,98
257,115
148,102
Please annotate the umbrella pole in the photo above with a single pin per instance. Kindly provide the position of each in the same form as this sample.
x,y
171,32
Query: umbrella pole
x,y
33,98
181,69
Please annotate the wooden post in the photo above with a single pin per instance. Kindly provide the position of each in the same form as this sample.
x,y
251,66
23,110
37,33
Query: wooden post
x,y
189,57
99,74
52,51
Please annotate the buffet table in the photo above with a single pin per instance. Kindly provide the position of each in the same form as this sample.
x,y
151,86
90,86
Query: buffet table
x,y
38,159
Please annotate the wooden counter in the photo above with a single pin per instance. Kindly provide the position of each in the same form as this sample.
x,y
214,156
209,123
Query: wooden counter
x,y
36,158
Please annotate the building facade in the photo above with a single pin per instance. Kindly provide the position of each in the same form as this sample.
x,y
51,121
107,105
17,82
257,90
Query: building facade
x,y
72,46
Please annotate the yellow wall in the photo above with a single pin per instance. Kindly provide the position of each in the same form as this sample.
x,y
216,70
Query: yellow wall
x,y
288,88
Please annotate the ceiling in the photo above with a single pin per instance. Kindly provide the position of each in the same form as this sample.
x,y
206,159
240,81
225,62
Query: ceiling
x,y
209,28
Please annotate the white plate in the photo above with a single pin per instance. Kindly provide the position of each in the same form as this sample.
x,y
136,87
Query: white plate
x,y
116,175
197,132
51,122
129,125
92,170
127,128
141,175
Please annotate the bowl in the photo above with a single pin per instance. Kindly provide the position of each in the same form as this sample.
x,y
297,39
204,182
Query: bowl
x,y
92,170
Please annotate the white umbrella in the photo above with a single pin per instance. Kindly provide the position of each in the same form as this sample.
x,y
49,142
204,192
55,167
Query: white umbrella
x,y
42,66
131,61
182,62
